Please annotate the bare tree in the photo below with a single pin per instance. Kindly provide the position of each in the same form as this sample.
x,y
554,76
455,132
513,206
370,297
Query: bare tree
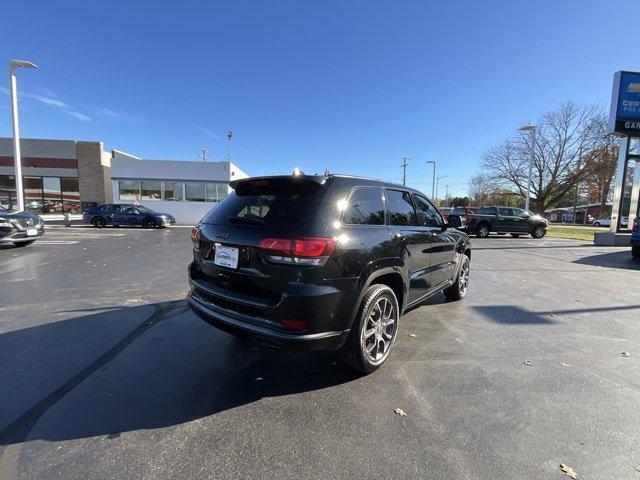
x,y
479,189
562,136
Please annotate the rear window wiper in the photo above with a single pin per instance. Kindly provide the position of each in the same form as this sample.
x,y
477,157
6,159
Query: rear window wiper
x,y
253,220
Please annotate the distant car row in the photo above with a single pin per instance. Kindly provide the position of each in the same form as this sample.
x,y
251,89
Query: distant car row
x,y
126,215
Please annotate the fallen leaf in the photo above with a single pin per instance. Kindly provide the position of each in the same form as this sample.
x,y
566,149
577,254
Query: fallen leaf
x,y
568,471
400,412
577,300
527,363
412,335
626,354
565,364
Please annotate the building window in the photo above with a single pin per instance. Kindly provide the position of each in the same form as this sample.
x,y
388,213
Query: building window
x,y
173,191
195,192
70,195
33,194
212,192
8,198
150,190
129,189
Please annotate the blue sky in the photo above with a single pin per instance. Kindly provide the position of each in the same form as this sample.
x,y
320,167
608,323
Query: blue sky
x,y
352,84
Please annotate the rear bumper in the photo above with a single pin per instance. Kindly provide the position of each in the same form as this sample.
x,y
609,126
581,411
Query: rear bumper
x,y
321,307
260,331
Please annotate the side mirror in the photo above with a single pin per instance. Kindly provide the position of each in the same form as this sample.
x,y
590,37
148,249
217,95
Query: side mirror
x,y
454,221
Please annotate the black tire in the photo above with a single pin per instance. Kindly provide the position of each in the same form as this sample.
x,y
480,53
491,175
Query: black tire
x,y
596,224
482,231
98,222
354,352
538,231
23,244
515,235
459,289
635,251
150,223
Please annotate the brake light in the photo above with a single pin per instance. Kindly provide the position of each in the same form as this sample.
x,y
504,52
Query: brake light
x,y
195,235
309,251
294,324
635,226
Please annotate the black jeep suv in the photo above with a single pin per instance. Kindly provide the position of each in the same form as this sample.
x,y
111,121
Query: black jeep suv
x,y
323,263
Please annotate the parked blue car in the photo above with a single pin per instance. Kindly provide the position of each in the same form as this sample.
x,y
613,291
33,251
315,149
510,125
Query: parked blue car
x,y
126,215
635,240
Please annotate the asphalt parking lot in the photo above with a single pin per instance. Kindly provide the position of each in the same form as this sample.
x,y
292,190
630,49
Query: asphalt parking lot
x,y
106,374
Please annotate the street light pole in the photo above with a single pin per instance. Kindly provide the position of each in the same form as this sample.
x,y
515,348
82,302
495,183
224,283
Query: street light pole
x,y
437,182
17,159
433,179
229,135
532,129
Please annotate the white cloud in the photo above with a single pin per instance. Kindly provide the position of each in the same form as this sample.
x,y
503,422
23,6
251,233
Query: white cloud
x,y
80,116
107,112
208,133
51,102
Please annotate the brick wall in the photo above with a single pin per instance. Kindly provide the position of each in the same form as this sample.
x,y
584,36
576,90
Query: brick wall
x,y
93,172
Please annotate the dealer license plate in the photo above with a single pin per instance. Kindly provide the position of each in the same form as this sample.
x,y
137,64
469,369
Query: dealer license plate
x,y
226,256
31,232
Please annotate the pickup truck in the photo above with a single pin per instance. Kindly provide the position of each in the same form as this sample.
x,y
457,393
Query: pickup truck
x,y
506,220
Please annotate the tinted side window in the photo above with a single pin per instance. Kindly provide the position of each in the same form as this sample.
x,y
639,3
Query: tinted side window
x,y
507,212
486,211
428,216
518,213
400,208
105,208
366,207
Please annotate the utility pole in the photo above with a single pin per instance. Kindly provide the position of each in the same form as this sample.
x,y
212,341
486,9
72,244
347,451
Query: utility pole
x,y
404,170
229,135
203,154
575,197
446,193
433,180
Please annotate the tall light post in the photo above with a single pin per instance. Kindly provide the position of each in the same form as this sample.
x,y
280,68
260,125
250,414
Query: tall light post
x,y
433,180
532,129
437,182
229,135
17,159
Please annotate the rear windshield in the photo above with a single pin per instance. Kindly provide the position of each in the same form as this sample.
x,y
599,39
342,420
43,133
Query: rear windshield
x,y
273,203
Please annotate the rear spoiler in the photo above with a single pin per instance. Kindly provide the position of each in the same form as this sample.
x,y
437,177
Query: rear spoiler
x,y
263,185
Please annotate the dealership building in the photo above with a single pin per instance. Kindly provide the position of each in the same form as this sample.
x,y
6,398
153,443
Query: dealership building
x,y
71,175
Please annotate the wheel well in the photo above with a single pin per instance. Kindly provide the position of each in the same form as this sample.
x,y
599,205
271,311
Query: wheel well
x,y
467,252
394,282
96,217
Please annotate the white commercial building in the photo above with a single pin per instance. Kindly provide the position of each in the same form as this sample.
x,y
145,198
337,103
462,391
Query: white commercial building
x,y
185,189
61,176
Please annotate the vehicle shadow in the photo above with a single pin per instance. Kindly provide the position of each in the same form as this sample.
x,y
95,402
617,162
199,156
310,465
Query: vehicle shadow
x,y
515,315
166,369
619,260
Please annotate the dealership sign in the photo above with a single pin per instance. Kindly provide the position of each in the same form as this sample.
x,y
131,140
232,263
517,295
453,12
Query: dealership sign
x,y
624,118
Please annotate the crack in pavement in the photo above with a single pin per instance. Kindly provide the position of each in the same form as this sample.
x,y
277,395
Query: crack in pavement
x,y
17,432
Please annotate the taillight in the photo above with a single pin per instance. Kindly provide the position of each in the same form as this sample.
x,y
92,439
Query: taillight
x,y
195,235
306,251
294,324
635,226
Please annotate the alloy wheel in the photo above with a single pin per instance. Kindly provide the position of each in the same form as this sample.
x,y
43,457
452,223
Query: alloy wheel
x,y
463,282
379,330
